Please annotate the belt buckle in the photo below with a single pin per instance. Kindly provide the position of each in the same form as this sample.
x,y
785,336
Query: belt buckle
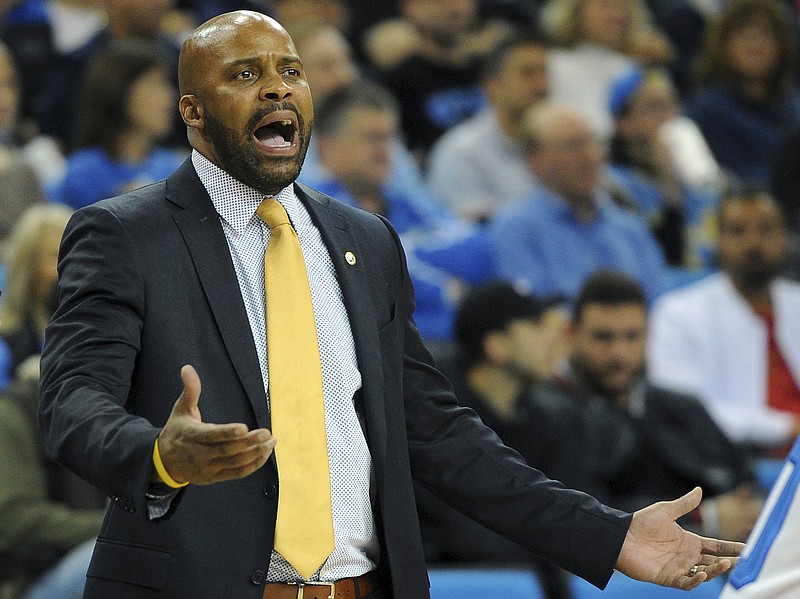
x,y
301,585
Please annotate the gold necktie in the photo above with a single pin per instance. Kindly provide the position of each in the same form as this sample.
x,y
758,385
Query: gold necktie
x,y
304,529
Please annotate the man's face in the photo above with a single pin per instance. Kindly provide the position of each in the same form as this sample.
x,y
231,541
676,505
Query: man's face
x,y
752,241
534,348
328,62
568,158
359,153
443,20
252,106
521,82
609,346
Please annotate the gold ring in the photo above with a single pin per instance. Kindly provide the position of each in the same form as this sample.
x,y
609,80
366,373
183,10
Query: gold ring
x,y
692,570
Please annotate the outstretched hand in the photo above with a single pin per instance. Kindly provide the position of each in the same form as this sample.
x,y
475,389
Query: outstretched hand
x,y
656,549
204,453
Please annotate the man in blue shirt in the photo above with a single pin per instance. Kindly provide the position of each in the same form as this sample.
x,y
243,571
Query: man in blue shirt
x,y
355,130
568,228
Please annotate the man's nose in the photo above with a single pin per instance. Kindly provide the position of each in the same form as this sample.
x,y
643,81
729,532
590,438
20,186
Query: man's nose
x,y
275,89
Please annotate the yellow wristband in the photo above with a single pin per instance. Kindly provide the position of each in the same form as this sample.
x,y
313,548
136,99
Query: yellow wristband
x,y
162,472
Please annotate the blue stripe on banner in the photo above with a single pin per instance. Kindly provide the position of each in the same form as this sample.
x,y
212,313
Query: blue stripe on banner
x,y
748,568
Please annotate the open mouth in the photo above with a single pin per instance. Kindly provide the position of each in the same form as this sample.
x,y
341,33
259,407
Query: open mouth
x,y
279,133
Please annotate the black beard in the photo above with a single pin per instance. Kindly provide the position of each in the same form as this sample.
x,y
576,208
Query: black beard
x,y
240,159
758,273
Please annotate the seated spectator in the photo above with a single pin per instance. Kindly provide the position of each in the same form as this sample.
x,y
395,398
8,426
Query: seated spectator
x,y
329,67
127,20
39,31
599,40
507,342
355,130
733,339
746,97
568,227
126,107
661,167
438,84
29,294
639,443
19,185
48,516
479,165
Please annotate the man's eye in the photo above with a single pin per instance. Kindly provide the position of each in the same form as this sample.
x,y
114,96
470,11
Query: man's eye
x,y
247,74
292,72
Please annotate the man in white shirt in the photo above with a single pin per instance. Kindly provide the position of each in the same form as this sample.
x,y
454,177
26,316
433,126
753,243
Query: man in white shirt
x,y
480,165
733,338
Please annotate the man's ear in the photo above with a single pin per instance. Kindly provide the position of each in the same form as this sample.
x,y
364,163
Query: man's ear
x,y
191,111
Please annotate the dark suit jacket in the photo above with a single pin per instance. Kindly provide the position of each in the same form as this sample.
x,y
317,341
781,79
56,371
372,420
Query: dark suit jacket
x,y
147,285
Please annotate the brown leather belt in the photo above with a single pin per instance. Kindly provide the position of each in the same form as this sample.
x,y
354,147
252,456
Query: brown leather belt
x,y
346,588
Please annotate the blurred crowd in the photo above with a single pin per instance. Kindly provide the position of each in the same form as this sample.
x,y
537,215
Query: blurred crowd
x,y
599,200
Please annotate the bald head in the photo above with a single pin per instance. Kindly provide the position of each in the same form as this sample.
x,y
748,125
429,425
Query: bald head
x,y
209,40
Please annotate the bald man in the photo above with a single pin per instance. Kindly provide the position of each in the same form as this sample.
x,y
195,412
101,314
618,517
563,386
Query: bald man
x,y
164,287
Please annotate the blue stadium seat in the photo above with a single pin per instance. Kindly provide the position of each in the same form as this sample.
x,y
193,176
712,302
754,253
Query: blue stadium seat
x,y
485,583
622,587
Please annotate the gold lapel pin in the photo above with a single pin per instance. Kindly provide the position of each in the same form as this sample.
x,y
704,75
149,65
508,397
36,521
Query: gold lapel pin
x,y
350,257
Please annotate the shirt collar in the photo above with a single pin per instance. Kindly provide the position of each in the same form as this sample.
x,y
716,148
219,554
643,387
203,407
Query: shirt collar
x,y
235,202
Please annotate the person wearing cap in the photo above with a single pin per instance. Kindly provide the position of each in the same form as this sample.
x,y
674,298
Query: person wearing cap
x,y
507,341
660,166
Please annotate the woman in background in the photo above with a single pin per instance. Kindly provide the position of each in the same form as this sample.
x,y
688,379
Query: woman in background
x,y
30,289
124,110
746,98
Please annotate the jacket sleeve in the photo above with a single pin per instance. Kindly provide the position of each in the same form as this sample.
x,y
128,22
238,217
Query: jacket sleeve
x,y
89,355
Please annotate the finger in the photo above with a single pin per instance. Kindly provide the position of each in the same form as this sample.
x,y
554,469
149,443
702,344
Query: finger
x,y
721,548
240,468
684,505
234,447
714,570
690,582
217,434
188,401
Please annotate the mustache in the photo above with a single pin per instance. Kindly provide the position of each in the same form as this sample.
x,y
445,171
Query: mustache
x,y
262,113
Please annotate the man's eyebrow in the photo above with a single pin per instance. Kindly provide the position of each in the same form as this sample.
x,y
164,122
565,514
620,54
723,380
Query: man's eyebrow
x,y
282,59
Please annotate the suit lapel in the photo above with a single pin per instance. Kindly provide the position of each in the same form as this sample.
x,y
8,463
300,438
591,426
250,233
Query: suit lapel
x,y
341,242
199,225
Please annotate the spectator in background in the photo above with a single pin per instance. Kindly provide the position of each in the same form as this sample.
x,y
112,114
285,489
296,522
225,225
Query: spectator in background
x,y
507,343
746,97
133,20
329,67
19,185
39,31
661,167
598,41
48,515
355,131
125,109
569,226
293,12
479,165
637,441
29,294
733,339
438,83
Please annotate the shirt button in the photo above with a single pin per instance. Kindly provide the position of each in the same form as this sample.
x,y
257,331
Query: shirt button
x,y
258,577
271,491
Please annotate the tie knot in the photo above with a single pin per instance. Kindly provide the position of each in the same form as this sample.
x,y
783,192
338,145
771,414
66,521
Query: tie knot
x,y
272,213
